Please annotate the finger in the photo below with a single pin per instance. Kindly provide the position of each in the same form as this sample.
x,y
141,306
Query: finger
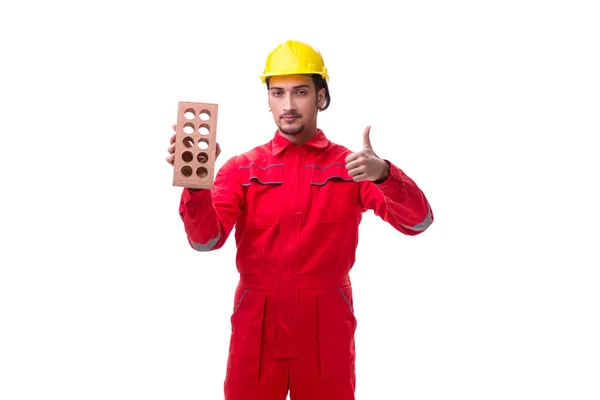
x,y
360,170
218,150
170,159
172,140
353,173
367,138
351,157
359,177
171,149
353,164
175,127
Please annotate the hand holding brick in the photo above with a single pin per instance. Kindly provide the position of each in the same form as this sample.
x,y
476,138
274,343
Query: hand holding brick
x,y
195,145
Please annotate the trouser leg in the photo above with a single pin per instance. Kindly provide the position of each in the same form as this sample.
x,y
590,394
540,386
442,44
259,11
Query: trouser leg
x,y
253,371
325,367
273,384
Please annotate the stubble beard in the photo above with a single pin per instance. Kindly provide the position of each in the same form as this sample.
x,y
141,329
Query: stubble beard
x,y
292,130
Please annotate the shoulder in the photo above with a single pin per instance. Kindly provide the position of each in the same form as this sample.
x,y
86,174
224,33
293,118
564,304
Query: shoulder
x,y
336,152
260,154
339,148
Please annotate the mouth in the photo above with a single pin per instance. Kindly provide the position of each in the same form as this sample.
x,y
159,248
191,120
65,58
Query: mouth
x,y
289,118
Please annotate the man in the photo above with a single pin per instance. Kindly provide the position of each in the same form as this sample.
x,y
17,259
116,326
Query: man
x,y
296,203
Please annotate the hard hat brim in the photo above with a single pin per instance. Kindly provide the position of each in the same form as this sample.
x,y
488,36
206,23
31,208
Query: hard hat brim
x,y
264,77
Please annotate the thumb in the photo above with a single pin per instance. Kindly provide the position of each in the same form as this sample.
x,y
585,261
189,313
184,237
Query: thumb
x,y
367,138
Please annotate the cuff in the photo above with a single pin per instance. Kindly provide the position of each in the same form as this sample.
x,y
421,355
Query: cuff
x,y
394,180
195,196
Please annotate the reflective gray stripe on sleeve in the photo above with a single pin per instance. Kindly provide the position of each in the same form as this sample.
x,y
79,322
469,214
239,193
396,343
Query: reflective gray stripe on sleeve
x,y
421,226
208,246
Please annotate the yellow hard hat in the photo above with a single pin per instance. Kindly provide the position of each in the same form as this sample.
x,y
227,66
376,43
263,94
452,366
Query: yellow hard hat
x,y
292,58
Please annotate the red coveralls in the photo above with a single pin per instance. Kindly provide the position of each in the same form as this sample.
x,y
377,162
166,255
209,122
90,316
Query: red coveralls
x,y
296,212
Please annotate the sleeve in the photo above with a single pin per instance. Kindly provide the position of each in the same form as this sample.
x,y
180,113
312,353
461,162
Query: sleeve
x,y
209,215
399,201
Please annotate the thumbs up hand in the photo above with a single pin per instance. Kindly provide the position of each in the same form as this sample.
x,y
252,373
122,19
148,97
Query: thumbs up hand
x,y
365,165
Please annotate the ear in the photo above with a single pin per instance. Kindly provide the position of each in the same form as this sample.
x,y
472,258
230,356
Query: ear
x,y
321,98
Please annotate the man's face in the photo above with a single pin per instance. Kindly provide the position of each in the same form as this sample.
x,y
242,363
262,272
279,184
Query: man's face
x,y
294,103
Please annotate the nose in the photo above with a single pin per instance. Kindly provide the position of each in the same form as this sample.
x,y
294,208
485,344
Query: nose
x,y
288,103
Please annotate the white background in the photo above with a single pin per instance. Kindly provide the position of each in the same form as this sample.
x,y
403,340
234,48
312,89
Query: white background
x,y
491,107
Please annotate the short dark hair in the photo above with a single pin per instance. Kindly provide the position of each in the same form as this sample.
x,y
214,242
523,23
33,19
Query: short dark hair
x,y
320,83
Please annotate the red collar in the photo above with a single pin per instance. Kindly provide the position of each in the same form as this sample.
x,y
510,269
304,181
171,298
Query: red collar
x,y
280,143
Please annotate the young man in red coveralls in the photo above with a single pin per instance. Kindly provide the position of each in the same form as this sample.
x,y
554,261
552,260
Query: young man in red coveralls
x,y
296,203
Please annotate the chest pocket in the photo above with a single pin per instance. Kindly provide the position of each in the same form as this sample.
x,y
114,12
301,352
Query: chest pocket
x,y
262,184
333,193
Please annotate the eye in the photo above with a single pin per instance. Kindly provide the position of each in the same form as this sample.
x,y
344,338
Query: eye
x,y
276,93
301,92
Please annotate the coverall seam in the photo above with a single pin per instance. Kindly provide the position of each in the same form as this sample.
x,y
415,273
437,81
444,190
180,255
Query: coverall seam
x,y
240,301
347,300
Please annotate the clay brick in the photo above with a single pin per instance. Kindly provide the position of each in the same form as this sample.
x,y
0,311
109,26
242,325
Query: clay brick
x,y
195,145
